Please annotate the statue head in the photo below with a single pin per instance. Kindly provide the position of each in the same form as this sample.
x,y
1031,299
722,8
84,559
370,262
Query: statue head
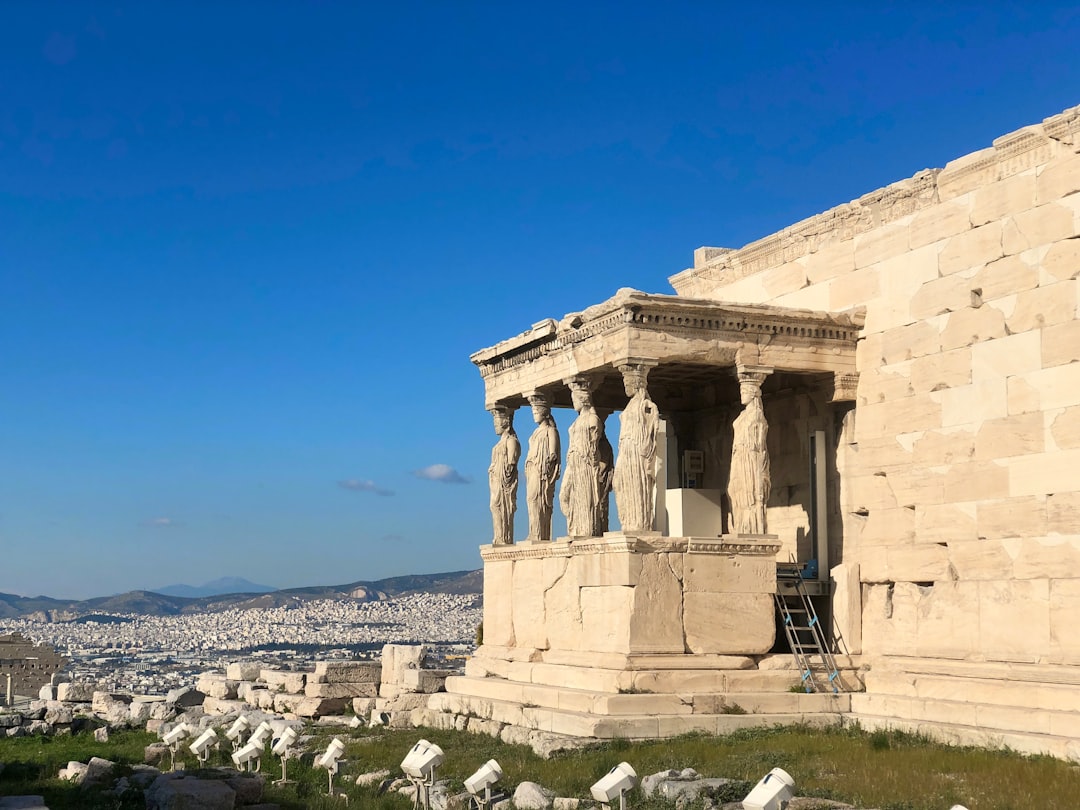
x,y
503,418
580,392
541,408
634,377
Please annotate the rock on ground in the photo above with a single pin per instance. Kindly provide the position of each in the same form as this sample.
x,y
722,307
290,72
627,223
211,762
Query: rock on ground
x,y
531,796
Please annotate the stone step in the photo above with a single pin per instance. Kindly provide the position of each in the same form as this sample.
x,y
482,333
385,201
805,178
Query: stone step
x,y
1062,747
655,681
633,726
1021,695
600,703
974,714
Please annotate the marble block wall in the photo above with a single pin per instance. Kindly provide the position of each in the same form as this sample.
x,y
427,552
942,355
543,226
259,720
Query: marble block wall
x,y
960,465
618,595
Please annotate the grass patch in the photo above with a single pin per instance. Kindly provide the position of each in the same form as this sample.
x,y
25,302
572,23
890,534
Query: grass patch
x,y
887,770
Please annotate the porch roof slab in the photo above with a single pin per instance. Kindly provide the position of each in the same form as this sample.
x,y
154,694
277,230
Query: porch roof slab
x,y
666,331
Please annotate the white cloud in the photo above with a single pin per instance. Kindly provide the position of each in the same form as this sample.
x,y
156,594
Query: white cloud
x,y
443,473
355,485
162,523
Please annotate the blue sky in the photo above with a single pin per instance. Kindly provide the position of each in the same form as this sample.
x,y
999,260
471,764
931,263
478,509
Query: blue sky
x,y
247,248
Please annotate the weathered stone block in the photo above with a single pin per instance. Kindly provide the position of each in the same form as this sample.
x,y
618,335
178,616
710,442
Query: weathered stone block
x,y
243,671
341,690
1012,517
1010,436
498,601
1057,178
971,249
1039,226
1006,356
349,671
283,680
1014,619
969,326
1045,306
729,623
945,370
1062,260
1003,198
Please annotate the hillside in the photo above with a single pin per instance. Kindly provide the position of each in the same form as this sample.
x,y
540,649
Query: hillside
x,y
150,603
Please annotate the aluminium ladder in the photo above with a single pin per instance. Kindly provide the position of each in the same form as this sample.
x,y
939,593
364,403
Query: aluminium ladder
x,y
803,631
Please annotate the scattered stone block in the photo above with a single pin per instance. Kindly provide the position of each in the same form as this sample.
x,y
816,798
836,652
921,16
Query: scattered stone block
x,y
341,690
243,671
176,791
185,697
73,692
350,672
284,681
532,796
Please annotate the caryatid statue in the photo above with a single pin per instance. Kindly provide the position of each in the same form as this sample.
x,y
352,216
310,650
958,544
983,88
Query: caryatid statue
x,y
503,475
543,465
605,474
579,495
749,482
635,467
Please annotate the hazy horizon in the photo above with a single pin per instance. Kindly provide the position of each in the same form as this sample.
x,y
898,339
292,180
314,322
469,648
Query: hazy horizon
x,y
248,249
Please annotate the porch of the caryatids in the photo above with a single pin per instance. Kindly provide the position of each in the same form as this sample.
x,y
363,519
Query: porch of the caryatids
x,y
503,475
749,482
635,466
579,495
543,466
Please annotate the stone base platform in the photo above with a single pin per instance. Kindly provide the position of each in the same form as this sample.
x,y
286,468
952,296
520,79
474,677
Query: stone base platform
x,y
1030,708
636,697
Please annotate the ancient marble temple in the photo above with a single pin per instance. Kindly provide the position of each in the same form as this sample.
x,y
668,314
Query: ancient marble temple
x,y
888,392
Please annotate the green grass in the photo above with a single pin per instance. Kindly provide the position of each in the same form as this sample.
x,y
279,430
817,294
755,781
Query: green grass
x,y
886,770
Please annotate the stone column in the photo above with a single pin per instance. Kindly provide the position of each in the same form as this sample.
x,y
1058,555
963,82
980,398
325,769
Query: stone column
x,y
543,465
579,496
635,467
503,475
749,480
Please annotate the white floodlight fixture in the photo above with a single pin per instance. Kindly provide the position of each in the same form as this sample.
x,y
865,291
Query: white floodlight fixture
x,y
422,760
356,721
773,792
615,785
958,807
481,782
329,760
419,766
174,738
250,753
283,748
261,735
175,734
203,745
378,719
237,730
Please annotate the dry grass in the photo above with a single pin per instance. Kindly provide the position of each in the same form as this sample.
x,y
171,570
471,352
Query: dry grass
x,y
889,771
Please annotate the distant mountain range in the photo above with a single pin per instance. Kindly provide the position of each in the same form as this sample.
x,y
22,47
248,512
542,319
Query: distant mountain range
x,y
216,588
152,603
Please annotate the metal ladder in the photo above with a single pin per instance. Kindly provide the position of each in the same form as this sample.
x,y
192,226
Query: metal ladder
x,y
803,631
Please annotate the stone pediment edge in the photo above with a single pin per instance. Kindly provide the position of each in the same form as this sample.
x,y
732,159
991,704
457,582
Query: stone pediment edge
x,y
1010,154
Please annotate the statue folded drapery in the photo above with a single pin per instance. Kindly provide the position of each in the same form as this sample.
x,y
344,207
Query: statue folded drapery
x,y
503,477
579,496
543,465
635,467
749,482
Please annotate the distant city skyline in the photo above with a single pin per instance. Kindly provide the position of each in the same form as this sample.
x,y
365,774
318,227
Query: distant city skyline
x,y
246,249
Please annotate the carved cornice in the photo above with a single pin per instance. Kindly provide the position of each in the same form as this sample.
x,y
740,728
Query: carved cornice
x,y
619,543
766,545
687,317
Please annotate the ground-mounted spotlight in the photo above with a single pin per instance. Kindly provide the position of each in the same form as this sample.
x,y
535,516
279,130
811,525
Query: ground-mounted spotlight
x,y
262,734
773,792
282,747
377,719
480,784
236,732
174,738
204,744
249,757
419,766
619,781
329,760
356,721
